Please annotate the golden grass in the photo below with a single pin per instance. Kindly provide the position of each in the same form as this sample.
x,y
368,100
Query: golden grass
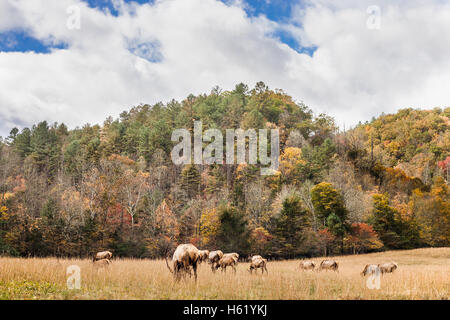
x,y
422,274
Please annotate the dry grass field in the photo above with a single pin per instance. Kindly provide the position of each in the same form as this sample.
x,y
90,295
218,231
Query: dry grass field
x,y
422,274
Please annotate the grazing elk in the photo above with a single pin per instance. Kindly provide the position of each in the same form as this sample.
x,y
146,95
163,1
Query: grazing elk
x,y
203,255
103,263
258,262
103,255
388,267
184,257
307,265
328,265
228,260
254,258
234,255
371,269
214,258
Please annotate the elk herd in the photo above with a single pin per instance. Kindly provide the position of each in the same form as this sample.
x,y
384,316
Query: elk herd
x,y
187,258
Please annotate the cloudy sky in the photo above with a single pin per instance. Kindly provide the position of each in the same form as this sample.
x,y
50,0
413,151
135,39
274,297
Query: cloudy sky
x,y
78,62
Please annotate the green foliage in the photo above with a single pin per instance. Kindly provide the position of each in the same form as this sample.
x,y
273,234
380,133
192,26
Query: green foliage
x,y
232,234
328,201
190,180
289,228
394,231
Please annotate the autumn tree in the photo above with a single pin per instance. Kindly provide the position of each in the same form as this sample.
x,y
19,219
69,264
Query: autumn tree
x,y
362,238
330,209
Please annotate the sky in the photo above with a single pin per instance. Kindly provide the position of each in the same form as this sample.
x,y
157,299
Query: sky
x,y
80,61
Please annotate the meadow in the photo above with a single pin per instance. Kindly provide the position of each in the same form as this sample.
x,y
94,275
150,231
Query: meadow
x,y
422,274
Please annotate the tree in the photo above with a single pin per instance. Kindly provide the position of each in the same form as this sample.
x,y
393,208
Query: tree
x,y
135,185
326,201
290,161
261,241
330,208
209,226
190,180
432,212
362,238
394,231
232,234
288,228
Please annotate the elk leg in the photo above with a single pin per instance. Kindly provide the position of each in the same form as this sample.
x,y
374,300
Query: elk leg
x,y
194,266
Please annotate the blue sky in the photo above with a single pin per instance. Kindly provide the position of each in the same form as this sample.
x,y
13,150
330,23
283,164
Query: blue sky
x,y
275,10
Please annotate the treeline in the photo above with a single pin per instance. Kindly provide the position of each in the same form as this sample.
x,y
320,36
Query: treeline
x,y
382,185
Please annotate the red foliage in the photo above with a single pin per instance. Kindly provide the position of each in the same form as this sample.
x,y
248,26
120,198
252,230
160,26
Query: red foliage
x,y
444,164
363,238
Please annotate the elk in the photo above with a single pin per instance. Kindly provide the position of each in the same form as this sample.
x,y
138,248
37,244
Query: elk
x,y
328,265
258,262
388,267
184,257
370,269
307,265
203,255
234,255
102,255
228,260
103,263
214,257
255,258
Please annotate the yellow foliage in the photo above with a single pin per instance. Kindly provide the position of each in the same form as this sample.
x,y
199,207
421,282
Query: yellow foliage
x,y
8,195
209,224
289,160
4,213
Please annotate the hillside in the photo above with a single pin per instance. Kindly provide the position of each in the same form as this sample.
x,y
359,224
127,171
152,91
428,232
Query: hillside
x,y
382,185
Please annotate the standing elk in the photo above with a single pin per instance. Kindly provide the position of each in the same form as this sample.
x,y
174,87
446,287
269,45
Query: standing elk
x,y
388,267
184,257
307,265
214,258
258,262
328,265
102,255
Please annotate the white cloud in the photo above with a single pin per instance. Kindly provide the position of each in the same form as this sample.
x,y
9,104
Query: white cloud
x,y
356,73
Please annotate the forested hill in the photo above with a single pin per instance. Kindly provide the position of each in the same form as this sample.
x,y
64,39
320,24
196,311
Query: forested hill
x,y
382,185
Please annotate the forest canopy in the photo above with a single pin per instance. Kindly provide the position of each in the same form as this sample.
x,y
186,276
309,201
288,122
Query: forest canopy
x,y
381,185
